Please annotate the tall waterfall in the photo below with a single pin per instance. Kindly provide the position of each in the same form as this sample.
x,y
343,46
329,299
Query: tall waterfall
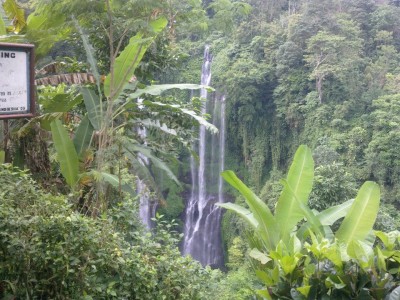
x,y
202,232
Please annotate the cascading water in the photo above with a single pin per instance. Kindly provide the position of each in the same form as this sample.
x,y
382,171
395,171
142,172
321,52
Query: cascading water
x,y
202,236
147,208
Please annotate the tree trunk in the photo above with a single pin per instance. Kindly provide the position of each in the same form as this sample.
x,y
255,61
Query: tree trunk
x,y
319,81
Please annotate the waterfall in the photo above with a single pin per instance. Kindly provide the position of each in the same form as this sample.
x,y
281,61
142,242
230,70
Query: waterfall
x,y
222,150
202,236
147,208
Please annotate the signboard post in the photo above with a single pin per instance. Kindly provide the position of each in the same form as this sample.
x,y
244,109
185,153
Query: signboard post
x,y
17,98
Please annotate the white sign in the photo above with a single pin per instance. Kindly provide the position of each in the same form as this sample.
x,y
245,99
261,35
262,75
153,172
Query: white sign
x,y
14,81
17,97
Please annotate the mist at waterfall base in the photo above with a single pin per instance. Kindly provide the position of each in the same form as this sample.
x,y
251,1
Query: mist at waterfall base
x,y
202,230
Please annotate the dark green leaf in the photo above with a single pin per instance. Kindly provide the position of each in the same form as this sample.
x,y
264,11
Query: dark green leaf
x,y
158,163
90,55
66,153
83,136
114,181
93,107
178,108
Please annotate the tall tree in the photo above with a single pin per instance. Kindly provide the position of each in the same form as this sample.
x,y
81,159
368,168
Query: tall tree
x,y
332,53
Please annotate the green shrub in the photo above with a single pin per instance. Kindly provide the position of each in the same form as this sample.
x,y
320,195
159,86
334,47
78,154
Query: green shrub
x,y
332,186
48,251
237,285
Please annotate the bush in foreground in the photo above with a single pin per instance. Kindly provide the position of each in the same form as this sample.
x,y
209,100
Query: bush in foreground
x,y
49,251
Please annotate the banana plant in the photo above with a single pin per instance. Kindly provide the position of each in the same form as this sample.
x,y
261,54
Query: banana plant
x,y
288,264
291,208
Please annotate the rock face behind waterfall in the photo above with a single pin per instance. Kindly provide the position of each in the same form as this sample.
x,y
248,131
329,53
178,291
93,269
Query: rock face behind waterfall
x,y
202,232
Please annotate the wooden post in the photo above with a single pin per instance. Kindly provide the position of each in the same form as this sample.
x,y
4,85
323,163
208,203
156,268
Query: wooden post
x,y
6,134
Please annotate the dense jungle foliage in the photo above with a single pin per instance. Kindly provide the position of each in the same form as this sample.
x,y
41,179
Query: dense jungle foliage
x,y
316,72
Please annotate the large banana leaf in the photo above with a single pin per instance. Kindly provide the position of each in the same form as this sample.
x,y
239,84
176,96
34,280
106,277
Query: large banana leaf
x,y
93,107
241,211
360,219
299,184
156,124
129,59
328,216
334,213
158,163
114,181
129,99
267,229
83,136
185,111
154,90
66,153
90,54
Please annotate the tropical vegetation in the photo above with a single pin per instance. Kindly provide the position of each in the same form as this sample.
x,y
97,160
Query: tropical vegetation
x,y
319,73
307,260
